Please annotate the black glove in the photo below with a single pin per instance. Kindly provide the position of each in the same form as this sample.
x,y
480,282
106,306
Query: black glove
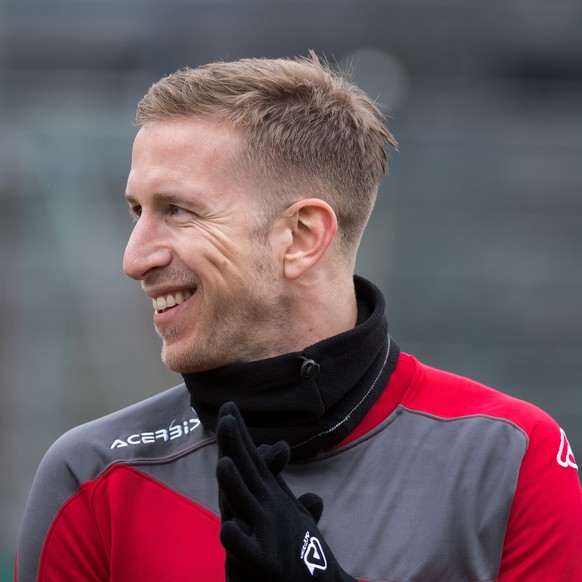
x,y
275,457
269,534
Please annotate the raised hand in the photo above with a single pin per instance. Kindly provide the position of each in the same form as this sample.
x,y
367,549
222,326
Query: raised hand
x,y
267,532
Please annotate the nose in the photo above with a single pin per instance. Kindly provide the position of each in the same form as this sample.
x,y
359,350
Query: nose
x,y
146,249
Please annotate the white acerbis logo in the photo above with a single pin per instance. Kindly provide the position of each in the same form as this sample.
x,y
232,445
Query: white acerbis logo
x,y
174,431
565,455
312,554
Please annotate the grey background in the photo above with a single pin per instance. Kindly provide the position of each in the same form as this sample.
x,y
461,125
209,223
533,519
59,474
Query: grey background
x,y
475,240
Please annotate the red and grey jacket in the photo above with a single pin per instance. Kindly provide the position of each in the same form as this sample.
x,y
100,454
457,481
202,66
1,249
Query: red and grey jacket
x,y
441,479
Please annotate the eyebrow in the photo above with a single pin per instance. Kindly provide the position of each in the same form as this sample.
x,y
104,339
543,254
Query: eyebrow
x,y
165,197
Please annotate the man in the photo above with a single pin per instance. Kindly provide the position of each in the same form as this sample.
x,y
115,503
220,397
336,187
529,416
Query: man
x,y
303,444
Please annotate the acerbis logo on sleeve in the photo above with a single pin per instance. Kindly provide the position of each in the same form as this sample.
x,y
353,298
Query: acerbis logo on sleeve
x,y
174,431
565,455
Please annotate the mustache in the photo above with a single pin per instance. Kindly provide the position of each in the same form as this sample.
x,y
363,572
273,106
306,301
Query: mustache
x,y
174,277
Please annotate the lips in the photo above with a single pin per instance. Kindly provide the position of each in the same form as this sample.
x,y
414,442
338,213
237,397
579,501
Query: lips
x,y
169,300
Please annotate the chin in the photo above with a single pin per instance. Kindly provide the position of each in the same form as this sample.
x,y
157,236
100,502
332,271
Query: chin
x,y
187,362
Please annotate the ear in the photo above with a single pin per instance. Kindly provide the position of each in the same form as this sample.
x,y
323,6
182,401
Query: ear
x,y
311,225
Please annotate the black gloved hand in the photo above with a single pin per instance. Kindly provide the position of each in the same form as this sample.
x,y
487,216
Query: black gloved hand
x,y
275,457
269,534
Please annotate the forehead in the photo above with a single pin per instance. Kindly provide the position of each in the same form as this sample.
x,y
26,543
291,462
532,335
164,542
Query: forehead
x,y
188,157
178,143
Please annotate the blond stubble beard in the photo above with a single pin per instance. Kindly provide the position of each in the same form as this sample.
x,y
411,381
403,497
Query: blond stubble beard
x,y
240,328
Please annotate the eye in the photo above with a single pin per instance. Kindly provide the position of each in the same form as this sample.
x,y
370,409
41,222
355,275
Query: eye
x,y
135,212
176,209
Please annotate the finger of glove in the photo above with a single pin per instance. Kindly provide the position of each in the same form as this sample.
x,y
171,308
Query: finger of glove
x,y
238,542
313,504
235,442
228,409
275,456
225,510
233,489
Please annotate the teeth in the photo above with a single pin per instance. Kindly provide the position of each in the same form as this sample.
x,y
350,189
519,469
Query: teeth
x,y
170,300
159,303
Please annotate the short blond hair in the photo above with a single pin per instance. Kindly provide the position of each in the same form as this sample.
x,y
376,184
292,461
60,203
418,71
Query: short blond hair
x,y
309,132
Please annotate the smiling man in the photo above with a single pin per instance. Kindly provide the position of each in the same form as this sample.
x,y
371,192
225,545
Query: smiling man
x,y
302,444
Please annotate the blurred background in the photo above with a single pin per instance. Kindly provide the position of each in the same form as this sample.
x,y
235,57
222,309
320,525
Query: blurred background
x,y
476,240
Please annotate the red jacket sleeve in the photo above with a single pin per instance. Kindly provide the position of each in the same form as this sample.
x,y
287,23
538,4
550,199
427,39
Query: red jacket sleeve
x,y
544,534
126,526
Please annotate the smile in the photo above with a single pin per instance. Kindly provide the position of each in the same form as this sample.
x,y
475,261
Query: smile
x,y
169,300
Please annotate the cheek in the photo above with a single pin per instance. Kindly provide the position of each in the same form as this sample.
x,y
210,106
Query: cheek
x,y
197,251
224,253
221,246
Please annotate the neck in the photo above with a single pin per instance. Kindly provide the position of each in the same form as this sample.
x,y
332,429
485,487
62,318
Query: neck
x,y
322,307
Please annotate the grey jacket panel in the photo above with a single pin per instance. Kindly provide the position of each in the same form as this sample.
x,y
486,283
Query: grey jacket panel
x,y
158,428
423,498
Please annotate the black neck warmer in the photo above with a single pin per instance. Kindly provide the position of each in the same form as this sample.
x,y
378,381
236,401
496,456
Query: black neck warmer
x,y
312,399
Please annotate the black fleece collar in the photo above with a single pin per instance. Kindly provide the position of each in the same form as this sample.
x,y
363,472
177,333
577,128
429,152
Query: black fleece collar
x,y
312,399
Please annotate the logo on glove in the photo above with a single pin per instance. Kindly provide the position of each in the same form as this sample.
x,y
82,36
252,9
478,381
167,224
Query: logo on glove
x,y
312,554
